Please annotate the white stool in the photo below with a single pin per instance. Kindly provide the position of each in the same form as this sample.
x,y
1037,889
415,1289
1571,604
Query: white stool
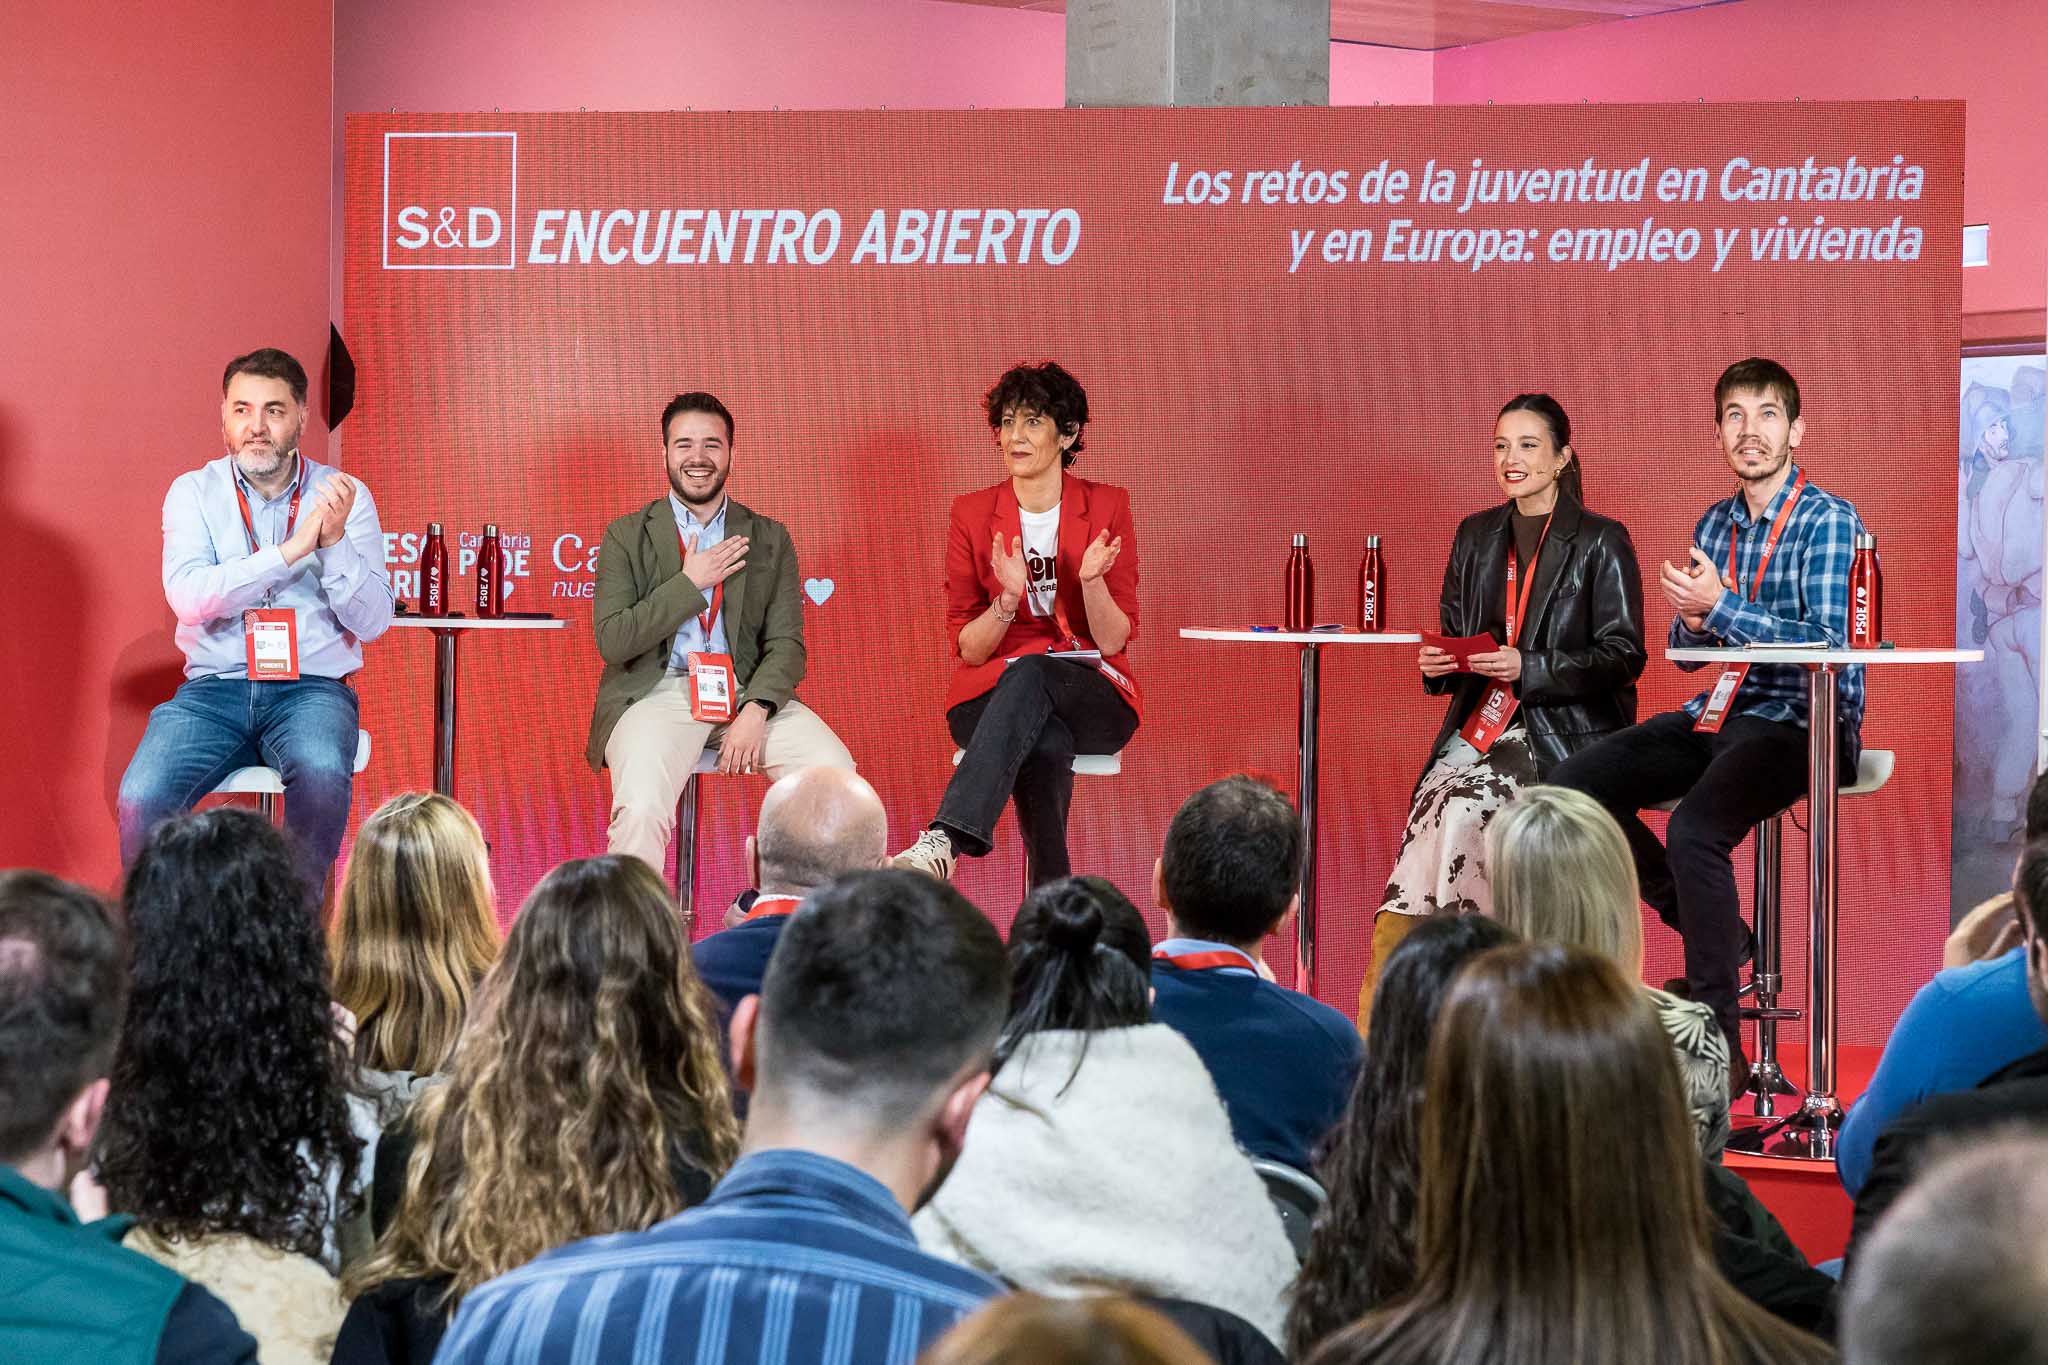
x,y
266,785
1085,765
686,840
1766,1078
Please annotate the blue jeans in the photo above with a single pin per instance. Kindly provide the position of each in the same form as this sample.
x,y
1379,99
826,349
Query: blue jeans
x,y
212,726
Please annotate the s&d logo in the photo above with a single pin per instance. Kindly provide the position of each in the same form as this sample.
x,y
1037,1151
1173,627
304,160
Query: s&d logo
x,y
451,201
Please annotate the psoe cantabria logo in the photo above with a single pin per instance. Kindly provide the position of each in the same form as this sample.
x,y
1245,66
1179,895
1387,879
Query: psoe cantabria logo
x,y
451,201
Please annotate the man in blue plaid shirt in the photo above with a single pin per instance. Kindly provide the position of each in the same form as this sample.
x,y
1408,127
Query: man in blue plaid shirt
x,y
1769,565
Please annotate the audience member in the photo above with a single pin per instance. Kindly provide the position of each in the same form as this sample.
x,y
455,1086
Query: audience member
x,y
865,1052
70,1294
1228,877
1562,873
1361,1254
2013,1093
417,930
229,1132
1101,1153
1548,1229
1974,1017
1956,1272
1027,1329
586,1096
816,824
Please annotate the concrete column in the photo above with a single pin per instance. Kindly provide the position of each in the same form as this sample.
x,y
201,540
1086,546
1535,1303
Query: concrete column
x,y
1197,52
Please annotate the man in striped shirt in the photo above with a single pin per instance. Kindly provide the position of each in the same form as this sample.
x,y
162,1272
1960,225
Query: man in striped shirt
x,y
865,1051
1769,565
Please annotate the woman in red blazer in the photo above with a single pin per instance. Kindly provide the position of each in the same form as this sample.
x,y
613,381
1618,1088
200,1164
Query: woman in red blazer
x,y
1042,564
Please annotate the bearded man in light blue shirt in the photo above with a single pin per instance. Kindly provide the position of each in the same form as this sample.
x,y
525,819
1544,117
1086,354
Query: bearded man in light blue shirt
x,y
263,529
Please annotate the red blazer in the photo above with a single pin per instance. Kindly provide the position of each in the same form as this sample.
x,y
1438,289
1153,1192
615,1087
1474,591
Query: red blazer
x,y
1086,510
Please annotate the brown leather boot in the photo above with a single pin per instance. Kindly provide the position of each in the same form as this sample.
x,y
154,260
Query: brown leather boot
x,y
1388,929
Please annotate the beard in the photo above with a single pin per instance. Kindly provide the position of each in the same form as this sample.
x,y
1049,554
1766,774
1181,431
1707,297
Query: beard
x,y
265,460
1774,463
675,481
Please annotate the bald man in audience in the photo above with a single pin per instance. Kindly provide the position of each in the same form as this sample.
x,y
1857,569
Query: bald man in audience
x,y
1956,1271
816,824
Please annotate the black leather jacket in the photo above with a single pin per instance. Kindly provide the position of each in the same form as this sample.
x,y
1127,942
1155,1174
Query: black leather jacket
x,y
1582,649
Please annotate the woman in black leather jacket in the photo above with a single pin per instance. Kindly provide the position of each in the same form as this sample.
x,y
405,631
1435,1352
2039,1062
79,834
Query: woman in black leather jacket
x,y
1567,678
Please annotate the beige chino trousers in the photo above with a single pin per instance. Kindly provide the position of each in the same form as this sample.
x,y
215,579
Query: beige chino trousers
x,y
655,747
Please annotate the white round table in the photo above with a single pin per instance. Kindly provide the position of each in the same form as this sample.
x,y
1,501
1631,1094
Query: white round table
x,y
447,630
1310,643
1809,1134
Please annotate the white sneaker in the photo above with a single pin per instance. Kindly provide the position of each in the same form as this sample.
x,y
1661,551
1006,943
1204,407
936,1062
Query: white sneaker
x,y
932,855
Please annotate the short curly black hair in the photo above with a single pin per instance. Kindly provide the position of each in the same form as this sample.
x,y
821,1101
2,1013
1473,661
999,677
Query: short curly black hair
x,y
1046,388
228,1111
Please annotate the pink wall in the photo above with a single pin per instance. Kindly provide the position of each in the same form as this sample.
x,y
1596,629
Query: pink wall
x,y
1989,52
1363,74
165,167
704,54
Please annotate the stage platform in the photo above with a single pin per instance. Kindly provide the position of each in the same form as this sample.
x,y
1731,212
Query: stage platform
x,y
1806,1195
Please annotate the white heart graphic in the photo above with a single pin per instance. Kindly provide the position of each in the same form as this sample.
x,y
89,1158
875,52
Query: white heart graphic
x,y
819,589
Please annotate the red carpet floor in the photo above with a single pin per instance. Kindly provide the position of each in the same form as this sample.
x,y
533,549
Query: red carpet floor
x,y
1806,1195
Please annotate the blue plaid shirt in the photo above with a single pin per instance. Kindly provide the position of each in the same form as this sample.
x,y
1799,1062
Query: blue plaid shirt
x,y
1804,599
794,1258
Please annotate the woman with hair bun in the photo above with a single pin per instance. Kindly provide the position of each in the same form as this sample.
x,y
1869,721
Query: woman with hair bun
x,y
1101,1154
1560,677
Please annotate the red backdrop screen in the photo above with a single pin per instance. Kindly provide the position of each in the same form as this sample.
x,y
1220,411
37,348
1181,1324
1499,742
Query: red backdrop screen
x,y
1287,320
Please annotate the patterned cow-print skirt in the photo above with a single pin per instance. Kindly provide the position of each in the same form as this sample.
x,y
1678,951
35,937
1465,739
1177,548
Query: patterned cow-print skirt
x,y
1441,868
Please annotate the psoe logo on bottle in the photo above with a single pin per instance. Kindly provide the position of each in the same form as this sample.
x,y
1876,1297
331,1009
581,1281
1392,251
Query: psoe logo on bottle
x,y
451,201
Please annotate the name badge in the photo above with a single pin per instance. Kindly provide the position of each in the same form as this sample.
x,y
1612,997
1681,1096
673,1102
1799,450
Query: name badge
x,y
712,687
1720,699
272,636
1490,721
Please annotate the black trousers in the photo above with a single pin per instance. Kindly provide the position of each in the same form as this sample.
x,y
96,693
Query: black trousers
x,y
1020,740
1751,770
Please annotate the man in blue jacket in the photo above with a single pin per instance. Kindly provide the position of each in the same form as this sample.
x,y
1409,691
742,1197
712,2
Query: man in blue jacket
x,y
1229,876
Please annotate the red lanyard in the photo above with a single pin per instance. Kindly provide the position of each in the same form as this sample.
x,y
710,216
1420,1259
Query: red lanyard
x,y
1202,962
291,516
1518,608
1770,541
773,905
710,616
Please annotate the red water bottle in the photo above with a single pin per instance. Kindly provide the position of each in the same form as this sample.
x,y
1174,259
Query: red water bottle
x,y
1301,586
1866,595
490,578
1372,588
434,573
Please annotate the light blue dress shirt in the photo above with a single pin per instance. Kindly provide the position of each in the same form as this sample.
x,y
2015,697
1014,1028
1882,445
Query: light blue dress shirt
x,y
342,595
692,639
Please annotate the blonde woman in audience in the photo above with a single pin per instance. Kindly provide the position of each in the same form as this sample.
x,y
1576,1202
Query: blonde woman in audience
x,y
1562,873
1028,1329
417,930
1548,1230
585,1096
1101,1154
228,1133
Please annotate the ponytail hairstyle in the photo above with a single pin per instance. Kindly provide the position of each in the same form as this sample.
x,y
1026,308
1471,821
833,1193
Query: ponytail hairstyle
x,y
1570,481
1080,958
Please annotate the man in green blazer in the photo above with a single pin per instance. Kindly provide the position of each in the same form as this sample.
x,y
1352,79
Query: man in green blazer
x,y
696,574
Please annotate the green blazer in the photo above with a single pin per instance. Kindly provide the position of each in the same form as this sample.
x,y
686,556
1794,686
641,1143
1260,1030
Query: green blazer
x,y
643,598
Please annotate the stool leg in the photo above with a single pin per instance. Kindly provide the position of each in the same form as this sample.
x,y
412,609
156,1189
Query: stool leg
x,y
686,854
1766,1077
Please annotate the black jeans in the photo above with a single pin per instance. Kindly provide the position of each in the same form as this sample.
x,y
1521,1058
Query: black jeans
x,y
1750,771
1020,740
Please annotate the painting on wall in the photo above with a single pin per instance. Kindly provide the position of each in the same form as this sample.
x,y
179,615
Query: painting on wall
x,y
1999,538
